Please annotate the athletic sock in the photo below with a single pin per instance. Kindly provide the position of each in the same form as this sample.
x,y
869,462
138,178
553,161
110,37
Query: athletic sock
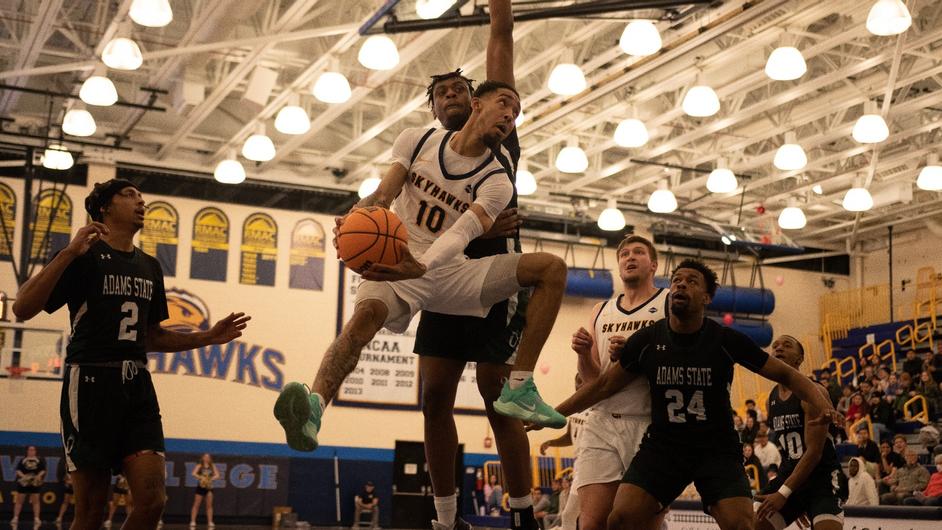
x,y
518,378
320,400
521,503
446,509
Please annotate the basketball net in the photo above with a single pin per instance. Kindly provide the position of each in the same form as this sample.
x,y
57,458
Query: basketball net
x,y
16,378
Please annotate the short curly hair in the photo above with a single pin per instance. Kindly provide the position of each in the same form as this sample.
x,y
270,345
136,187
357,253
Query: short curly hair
x,y
708,275
429,91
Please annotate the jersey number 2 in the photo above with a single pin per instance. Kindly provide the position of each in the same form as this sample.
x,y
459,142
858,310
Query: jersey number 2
x,y
676,404
434,218
126,331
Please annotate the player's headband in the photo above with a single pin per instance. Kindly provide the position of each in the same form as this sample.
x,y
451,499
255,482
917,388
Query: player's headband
x,y
102,194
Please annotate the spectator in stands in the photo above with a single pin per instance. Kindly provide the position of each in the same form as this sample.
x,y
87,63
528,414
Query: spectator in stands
x,y
881,416
892,388
883,379
751,429
749,458
913,364
862,490
540,505
932,495
858,408
493,495
866,390
830,383
930,390
367,501
564,498
867,448
751,406
907,480
935,366
738,425
767,453
844,403
551,519
771,472
890,461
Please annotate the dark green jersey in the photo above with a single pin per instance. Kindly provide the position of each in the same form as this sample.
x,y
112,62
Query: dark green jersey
x,y
690,377
113,297
787,423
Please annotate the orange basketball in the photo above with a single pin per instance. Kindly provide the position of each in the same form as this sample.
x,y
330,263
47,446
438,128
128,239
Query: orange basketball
x,y
371,235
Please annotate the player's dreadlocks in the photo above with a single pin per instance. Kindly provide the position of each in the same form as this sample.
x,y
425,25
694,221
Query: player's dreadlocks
x,y
437,78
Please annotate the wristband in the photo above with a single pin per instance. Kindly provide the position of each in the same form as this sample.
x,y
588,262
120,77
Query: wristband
x,y
784,491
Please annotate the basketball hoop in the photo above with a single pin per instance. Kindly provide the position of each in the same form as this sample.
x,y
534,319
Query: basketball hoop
x,y
16,372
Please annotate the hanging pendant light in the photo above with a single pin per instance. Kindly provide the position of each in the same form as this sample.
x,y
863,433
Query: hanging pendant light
x,y
332,86
817,189
611,219
429,9
930,176
662,200
631,132
888,17
520,119
857,199
57,157
78,121
292,119
572,159
640,38
151,13
790,156
785,64
870,127
701,101
722,179
526,182
98,90
230,170
121,52
567,78
259,147
379,52
792,217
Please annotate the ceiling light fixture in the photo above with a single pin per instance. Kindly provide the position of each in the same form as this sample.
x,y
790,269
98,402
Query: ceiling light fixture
x,y
662,200
379,52
857,199
57,157
369,184
292,118
572,159
611,219
98,90
78,121
332,86
259,147
930,177
870,127
792,218
230,170
785,64
567,78
526,182
429,9
790,156
151,13
701,101
121,52
631,132
888,17
640,38
722,179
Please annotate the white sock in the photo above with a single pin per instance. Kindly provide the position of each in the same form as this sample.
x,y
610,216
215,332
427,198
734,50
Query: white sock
x,y
518,378
446,509
521,503
320,400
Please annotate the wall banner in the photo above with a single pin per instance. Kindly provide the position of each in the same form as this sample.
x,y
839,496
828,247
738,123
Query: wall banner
x,y
160,235
259,250
210,245
52,224
307,256
7,221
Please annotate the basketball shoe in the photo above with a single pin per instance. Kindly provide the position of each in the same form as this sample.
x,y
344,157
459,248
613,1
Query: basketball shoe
x,y
525,403
299,413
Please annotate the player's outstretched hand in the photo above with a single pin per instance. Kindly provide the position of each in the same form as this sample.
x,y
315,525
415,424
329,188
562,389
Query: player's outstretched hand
x,y
615,346
229,328
407,268
770,504
86,237
582,342
829,416
505,225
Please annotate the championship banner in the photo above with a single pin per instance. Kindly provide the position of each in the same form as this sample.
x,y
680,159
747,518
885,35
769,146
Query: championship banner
x,y
387,375
307,256
51,226
210,246
160,235
7,221
259,250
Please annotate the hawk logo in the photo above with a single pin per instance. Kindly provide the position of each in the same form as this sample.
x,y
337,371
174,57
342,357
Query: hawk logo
x,y
188,312
661,347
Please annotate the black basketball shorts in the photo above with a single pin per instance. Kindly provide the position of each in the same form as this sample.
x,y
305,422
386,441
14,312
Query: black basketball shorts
x,y
819,498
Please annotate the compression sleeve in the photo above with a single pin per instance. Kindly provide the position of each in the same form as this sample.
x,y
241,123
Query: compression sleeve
x,y
453,241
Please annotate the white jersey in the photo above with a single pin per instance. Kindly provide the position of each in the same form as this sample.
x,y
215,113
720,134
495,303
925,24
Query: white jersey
x,y
576,423
613,320
441,185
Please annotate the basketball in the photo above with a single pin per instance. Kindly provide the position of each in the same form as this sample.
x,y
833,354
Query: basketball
x,y
371,235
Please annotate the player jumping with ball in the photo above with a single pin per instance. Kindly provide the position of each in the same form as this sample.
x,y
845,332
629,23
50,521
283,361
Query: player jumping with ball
x,y
447,188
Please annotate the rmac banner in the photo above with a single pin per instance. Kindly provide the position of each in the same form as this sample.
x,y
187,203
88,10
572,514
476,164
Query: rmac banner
x,y
248,485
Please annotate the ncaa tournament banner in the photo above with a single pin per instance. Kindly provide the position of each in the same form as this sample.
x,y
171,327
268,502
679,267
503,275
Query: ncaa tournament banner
x,y
7,221
160,235
210,245
259,250
387,375
52,225
307,256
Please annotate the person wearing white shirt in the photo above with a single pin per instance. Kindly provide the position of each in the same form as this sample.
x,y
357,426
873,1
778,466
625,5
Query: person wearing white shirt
x,y
861,486
766,452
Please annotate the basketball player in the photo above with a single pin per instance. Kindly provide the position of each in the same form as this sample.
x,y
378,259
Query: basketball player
x,y
688,361
116,299
446,196
445,343
616,424
809,477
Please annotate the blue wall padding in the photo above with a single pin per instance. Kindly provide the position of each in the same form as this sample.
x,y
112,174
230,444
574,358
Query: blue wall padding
x,y
589,283
728,299
760,331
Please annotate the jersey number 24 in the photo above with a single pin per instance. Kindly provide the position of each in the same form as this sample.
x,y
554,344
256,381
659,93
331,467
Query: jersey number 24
x,y
675,406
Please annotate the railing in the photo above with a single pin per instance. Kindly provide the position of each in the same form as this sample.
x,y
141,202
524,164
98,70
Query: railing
x,y
922,415
869,350
860,307
835,327
852,430
753,473
917,334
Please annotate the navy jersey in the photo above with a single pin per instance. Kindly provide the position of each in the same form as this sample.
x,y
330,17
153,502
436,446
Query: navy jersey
x,y
690,377
113,297
787,423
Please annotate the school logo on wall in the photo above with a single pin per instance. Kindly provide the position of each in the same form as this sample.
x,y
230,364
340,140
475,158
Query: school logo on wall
x,y
259,250
52,225
160,235
210,245
237,361
7,221
307,256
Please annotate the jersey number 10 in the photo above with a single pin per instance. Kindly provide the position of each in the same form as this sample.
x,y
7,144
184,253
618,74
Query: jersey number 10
x,y
434,219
